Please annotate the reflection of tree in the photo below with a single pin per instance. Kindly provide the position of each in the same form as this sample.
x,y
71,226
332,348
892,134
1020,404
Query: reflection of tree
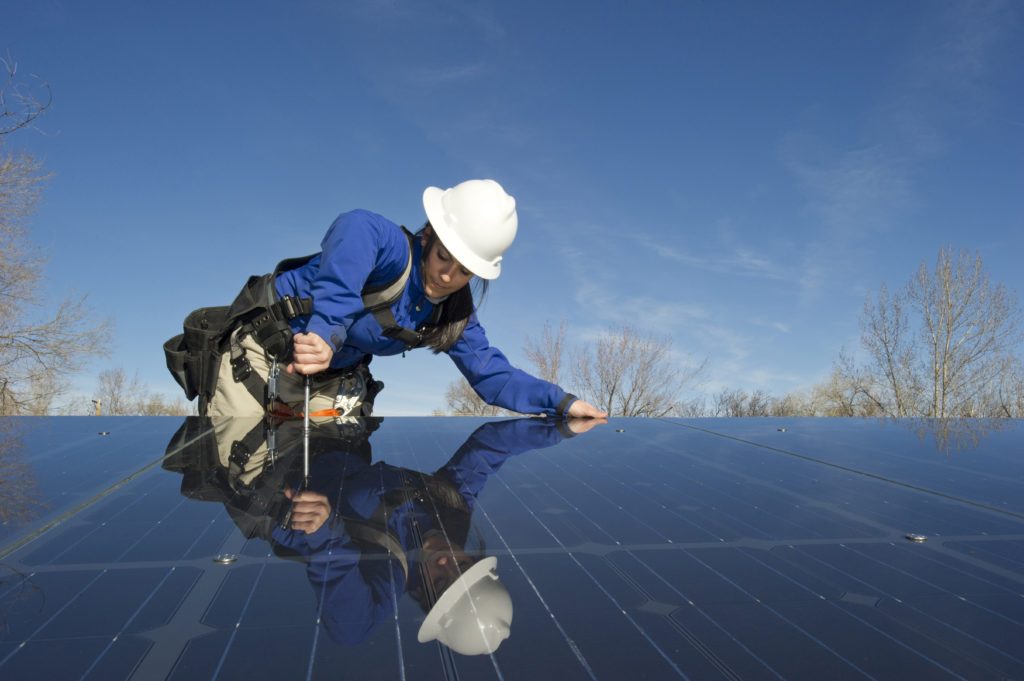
x,y
17,586
16,480
955,435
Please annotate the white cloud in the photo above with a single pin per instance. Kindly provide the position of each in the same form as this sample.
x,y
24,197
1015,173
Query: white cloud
x,y
445,75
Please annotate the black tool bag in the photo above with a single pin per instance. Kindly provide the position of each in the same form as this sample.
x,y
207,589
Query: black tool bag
x,y
193,357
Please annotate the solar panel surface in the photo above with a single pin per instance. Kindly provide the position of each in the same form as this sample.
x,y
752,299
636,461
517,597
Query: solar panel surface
x,y
153,548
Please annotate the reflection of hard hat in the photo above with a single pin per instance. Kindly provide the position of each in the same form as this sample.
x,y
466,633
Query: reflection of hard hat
x,y
473,615
476,221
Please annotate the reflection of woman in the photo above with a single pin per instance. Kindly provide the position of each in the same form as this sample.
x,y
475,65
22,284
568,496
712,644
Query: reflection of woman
x,y
370,533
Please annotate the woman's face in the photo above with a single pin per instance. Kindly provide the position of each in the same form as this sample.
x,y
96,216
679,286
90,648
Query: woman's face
x,y
442,274
444,562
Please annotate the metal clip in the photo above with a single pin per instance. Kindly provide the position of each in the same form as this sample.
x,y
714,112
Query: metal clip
x,y
275,372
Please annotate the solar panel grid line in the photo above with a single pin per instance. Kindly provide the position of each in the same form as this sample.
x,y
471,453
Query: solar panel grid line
x,y
127,623
662,481
733,473
984,571
1014,572
99,527
71,513
737,501
602,588
663,506
937,587
234,630
595,551
861,472
18,584
185,624
734,584
21,645
394,594
822,644
312,649
321,598
721,576
74,598
703,613
863,621
707,653
907,604
447,659
577,653
882,521
619,507
965,478
143,604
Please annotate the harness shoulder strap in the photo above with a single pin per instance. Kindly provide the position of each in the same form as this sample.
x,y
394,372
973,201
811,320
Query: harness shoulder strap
x,y
374,297
385,295
382,309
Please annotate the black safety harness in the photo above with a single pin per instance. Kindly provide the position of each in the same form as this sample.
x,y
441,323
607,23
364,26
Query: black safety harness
x,y
193,357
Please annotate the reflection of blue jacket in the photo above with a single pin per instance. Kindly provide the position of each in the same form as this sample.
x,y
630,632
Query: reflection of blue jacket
x,y
362,248
358,591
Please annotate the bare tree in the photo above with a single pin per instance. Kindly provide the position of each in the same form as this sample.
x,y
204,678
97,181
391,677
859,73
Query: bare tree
x,y
121,395
941,346
1011,392
159,405
625,372
739,403
462,400
628,372
848,391
38,349
547,353
21,103
118,394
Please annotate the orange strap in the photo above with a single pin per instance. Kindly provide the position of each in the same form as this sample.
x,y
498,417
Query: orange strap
x,y
282,412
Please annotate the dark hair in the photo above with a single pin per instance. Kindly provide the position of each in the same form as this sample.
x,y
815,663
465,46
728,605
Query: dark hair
x,y
456,308
441,498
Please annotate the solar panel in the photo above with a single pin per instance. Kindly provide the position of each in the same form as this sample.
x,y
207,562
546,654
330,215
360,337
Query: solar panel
x,y
422,548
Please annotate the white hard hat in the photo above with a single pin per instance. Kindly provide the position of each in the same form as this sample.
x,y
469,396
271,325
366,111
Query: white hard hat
x,y
476,221
473,615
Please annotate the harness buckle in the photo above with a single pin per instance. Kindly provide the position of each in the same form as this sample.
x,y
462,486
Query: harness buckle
x,y
292,307
240,454
241,369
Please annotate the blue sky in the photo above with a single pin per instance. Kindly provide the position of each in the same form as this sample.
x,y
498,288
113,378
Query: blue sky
x,y
735,175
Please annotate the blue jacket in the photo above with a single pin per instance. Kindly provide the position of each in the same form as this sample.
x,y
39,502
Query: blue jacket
x,y
357,592
362,248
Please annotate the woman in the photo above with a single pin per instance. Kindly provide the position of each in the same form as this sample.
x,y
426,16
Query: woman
x,y
328,318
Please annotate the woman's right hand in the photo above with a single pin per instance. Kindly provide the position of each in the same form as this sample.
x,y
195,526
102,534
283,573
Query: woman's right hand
x,y
310,510
310,355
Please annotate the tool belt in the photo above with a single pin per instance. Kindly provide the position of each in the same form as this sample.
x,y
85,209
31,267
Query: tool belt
x,y
194,356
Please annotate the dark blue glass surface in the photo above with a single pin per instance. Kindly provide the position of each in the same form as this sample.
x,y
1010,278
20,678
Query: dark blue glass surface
x,y
728,549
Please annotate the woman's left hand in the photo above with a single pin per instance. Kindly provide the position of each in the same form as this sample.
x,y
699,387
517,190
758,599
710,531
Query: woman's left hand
x,y
585,410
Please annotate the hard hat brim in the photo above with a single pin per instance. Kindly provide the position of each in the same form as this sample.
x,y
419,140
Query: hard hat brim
x,y
434,207
431,626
